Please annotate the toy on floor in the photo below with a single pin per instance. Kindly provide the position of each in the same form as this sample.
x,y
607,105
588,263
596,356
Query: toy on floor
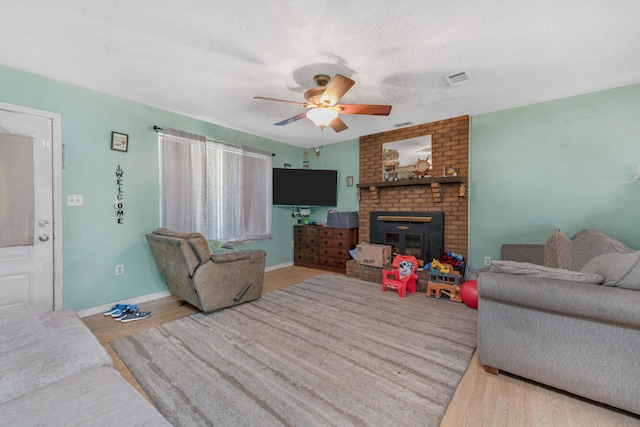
x,y
440,267
469,293
447,284
403,277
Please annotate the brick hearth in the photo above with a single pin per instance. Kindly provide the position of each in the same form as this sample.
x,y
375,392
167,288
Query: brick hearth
x,y
374,274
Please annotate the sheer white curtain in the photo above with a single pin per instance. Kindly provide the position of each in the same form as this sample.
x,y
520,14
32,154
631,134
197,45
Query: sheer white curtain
x,y
257,193
219,190
182,183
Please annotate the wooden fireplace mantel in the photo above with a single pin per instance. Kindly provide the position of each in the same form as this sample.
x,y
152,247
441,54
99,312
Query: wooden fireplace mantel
x,y
433,181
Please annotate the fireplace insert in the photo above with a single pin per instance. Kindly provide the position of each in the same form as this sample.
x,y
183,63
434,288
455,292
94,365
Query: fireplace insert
x,y
420,234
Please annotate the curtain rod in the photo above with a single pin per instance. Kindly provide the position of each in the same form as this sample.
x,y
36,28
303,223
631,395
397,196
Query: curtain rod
x,y
159,129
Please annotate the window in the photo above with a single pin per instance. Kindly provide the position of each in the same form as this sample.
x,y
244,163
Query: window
x,y
220,190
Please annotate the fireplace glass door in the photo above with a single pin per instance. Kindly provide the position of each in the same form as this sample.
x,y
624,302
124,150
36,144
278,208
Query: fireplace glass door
x,y
420,234
405,243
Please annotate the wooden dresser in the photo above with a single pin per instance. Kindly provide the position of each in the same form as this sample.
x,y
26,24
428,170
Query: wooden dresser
x,y
325,248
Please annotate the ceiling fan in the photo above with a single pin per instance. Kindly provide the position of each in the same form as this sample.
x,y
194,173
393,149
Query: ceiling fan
x,y
322,102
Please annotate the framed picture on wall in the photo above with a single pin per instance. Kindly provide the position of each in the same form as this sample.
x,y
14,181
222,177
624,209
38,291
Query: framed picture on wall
x,y
119,141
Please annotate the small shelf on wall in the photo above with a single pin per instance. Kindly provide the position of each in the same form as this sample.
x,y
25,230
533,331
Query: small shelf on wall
x,y
434,182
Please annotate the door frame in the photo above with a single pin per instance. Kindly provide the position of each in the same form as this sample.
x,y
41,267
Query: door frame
x,y
56,152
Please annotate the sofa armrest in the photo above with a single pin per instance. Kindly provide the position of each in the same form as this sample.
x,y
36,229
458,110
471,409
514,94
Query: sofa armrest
x,y
523,253
220,283
603,303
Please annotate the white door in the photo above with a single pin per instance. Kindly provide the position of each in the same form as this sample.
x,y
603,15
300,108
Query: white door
x,y
26,213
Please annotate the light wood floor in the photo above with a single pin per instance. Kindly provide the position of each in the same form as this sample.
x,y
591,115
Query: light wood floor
x,y
480,400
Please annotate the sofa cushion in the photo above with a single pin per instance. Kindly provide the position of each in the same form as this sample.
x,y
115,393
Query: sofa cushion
x,y
528,269
557,250
43,349
588,244
618,269
98,396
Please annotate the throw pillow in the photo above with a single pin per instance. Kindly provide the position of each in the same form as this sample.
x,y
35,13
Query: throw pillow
x,y
557,250
621,270
588,244
534,270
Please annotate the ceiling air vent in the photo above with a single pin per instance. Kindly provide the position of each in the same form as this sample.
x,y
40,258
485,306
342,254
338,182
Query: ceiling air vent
x,y
455,79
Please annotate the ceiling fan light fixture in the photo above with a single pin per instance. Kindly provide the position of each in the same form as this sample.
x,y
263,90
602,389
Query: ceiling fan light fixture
x,y
322,116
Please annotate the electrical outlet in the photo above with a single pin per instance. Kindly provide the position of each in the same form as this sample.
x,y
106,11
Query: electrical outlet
x,y
119,269
487,260
75,200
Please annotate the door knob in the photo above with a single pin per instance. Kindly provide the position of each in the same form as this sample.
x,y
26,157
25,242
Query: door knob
x,y
44,223
43,237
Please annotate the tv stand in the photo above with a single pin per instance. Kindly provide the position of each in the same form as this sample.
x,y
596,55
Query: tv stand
x,y
324,248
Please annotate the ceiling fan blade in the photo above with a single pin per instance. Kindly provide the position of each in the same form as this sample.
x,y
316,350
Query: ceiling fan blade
x,y
336,89
374,110
291,119
281,100
338,125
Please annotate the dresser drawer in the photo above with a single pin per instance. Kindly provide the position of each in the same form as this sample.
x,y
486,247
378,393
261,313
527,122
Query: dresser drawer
x,y
335,253
306,249
333,263
326,232
306,241
343,233
306,258
334,243
311,231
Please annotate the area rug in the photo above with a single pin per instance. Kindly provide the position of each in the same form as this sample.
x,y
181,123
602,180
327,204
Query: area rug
x,y
331,350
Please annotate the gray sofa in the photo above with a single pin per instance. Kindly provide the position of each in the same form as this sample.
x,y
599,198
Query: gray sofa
x,y
53,371
206,280
575,328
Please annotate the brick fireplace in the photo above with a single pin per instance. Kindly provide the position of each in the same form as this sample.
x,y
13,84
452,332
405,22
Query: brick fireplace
x,y
450,148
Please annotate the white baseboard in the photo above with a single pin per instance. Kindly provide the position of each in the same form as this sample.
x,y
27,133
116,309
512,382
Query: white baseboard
x,y
151,297
137,300
279,266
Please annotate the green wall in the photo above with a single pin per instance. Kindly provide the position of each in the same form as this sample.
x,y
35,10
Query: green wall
x,y
93,244
567,163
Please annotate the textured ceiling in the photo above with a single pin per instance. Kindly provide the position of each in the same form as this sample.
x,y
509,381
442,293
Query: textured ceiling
x,y
208,59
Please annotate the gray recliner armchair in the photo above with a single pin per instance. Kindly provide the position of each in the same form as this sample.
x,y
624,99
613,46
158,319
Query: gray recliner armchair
x,y
205,280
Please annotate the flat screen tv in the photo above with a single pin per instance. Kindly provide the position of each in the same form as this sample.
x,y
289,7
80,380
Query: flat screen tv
x,y
305,187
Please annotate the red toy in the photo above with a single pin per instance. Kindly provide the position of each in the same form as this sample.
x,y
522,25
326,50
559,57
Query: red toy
x,y
469,293
403,278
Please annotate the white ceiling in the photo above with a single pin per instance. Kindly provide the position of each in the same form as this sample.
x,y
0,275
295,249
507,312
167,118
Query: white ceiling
x,y
208,59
